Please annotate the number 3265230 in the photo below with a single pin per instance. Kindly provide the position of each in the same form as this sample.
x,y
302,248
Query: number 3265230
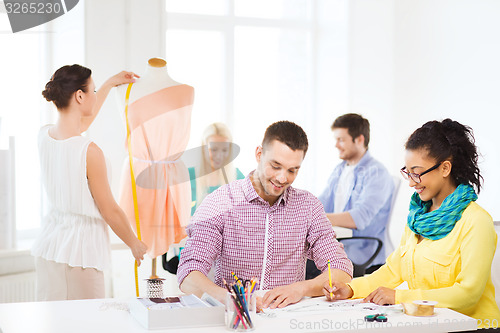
x,y
33,8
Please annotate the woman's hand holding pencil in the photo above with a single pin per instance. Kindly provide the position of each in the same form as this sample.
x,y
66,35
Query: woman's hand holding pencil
x,y
337,290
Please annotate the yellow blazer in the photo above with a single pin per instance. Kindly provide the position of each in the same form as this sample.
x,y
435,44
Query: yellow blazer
x,y
455,271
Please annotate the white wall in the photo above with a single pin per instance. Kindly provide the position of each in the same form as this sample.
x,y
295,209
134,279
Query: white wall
x,y
332,90
371,71
119,35
415,61
447,65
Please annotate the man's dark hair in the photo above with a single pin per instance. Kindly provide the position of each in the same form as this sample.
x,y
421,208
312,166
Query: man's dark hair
x,y
356,125
288,133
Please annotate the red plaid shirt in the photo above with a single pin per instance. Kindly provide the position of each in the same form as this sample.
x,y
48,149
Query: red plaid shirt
x,y
239,232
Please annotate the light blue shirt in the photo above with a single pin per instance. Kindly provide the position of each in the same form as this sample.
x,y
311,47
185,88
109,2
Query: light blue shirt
x,y
369,205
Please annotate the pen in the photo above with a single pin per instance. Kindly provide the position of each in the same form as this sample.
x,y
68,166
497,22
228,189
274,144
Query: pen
x,y
330,278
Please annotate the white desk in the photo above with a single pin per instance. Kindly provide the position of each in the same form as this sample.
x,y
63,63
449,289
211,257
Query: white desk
x,y
343,232
111,315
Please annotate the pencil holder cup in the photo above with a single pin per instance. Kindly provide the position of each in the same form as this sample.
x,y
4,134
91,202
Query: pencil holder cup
x,y
240,312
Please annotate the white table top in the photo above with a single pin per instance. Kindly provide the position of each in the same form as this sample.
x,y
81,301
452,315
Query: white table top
x,y
343,232
310,315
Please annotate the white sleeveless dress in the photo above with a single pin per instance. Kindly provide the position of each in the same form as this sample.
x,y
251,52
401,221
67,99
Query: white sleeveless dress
x,y
73,232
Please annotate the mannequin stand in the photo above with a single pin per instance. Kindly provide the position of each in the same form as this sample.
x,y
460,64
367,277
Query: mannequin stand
x,y
154,283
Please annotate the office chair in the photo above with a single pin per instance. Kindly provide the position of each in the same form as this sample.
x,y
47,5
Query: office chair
x,y
170,265
359,267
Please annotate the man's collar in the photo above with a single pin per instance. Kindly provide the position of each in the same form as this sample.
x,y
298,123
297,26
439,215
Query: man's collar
x,y
283,199
251,194
362,161
248,189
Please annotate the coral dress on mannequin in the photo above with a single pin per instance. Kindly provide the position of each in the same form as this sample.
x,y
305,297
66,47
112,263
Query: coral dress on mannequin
x,y
159,115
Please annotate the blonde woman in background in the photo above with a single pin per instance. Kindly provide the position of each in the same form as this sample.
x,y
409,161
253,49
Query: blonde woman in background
x,y
214,169
217,154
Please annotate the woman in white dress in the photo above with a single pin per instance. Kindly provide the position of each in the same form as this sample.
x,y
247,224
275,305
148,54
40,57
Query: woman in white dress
x,y
73,249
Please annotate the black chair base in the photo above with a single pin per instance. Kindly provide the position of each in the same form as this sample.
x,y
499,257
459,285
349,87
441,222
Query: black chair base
x,y
311,270
360,269
170,265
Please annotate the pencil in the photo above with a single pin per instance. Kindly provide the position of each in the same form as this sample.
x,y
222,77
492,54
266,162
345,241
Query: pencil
x,y
239,308
330,278
236,278
252,287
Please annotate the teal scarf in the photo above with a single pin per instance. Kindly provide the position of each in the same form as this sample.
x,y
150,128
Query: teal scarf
x,y
440,222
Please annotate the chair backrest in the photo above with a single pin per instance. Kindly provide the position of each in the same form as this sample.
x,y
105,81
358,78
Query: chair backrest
x,y
389,245
495,265
369,243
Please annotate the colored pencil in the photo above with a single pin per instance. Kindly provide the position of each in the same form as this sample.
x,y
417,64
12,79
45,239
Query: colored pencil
x,y
330,278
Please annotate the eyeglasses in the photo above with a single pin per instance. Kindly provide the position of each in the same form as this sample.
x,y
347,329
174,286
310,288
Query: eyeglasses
x,y
416,176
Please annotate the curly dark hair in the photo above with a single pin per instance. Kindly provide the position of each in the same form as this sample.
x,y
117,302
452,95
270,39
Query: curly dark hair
x,y
450,140
288,133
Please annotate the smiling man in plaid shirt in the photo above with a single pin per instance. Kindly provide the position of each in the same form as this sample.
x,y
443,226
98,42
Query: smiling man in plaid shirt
x,y
261,227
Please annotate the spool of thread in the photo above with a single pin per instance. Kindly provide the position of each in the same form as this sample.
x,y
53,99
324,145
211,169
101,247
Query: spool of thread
x,y
419,308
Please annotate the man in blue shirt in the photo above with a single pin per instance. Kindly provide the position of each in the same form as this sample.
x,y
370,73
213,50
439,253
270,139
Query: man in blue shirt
x,y
359,191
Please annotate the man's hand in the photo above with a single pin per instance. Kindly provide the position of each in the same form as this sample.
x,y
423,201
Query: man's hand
x,y
382,296
282,296
285,295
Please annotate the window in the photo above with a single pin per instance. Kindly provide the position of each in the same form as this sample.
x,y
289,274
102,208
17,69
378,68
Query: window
x,y
21,114
253,62
28,59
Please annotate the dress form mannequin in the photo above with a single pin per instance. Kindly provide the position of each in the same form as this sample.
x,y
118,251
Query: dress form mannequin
x,y
155,78
159,116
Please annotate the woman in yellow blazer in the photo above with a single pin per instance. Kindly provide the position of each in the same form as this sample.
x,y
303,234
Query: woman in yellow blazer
x,y
449,241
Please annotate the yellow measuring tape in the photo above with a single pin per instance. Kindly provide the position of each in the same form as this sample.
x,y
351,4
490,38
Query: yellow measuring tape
x,y
132,178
